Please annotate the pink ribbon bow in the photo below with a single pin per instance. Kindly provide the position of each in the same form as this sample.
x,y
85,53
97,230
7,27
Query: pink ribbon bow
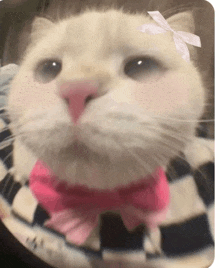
x,y
75,209
180,37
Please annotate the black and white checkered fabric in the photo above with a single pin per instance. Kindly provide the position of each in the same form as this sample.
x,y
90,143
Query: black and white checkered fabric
x,y
184,239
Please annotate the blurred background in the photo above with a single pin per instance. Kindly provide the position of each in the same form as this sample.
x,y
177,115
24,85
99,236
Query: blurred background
x,y
16,17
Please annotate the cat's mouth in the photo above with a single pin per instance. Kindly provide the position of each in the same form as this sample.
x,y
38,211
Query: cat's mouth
x,y
79,150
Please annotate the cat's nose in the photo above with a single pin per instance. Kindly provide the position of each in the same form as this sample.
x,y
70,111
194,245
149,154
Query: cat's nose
x,y
77,94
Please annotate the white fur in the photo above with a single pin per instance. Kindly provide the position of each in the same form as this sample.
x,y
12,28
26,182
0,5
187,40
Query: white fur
x,y
132,127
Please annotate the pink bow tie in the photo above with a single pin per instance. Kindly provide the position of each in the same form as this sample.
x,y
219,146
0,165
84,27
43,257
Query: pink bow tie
x,y
75,209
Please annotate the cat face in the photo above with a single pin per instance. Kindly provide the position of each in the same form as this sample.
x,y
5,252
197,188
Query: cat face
x,y
143,111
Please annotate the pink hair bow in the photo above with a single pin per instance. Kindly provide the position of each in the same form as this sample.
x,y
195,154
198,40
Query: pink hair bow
x,y
75,209
180,37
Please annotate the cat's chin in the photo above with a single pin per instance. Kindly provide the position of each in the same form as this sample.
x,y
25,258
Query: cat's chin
x,y
97,170
97,176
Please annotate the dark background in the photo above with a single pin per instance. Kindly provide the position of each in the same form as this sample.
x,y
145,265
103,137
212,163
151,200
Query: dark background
x,y
15,255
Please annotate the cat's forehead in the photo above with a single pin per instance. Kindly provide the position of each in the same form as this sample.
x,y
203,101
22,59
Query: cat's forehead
x,y
100,35
112,29
112,22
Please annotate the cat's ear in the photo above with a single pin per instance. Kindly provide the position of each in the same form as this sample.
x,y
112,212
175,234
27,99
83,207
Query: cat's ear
x,y
39,27
183,21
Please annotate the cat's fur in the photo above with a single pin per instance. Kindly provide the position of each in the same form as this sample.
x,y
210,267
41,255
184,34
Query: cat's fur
x,y
131,127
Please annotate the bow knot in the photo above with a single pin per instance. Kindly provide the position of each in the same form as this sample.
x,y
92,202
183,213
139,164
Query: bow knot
x,y
180,37
75,209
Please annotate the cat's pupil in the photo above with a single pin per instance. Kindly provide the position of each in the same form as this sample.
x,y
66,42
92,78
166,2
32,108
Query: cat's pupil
x,y
48,71
140,67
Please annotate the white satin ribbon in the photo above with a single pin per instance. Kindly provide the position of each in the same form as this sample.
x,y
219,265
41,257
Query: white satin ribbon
x,y
180,37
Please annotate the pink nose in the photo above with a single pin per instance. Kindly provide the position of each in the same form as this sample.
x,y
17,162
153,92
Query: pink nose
x,y
77,94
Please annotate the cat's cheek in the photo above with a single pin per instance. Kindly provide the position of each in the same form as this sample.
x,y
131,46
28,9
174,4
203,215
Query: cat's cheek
x,y
28,94
167,95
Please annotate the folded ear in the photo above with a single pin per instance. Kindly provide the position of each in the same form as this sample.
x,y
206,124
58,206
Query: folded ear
x,y
183,21
40,27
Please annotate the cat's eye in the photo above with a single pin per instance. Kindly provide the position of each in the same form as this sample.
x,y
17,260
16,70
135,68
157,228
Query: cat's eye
x,y
140,68
48,71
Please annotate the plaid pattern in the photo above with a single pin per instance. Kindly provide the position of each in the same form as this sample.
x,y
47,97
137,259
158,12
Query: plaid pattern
x,y
186,235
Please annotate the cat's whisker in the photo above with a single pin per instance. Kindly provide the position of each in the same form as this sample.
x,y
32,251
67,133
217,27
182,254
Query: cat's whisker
x,y
136,157
176,153
12,137
170,134
168,145
6,184
173,133
159,159
4,160
183,120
